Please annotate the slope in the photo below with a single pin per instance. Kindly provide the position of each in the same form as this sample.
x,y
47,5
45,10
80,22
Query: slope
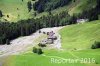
x,y
17,10
80,36
76,6
14,10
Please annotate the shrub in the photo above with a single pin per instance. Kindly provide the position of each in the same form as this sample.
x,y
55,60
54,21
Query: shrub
x,y
34,49
39,31
44,32
95,45
39,51
42,45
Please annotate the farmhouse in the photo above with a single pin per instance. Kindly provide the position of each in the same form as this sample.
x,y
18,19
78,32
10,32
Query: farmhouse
x,y
81,21
46,41
50,38
51,35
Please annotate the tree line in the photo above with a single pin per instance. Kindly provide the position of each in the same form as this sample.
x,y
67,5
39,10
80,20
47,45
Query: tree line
x,y
12,30
91,14
48,5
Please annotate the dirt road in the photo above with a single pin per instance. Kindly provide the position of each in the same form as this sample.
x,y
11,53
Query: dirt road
x,y
23,43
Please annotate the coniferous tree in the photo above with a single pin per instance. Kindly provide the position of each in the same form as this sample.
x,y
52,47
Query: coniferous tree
x,y
7,42
1,13
29,5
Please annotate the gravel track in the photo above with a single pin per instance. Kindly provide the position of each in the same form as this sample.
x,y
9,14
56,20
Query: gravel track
x,y
23,43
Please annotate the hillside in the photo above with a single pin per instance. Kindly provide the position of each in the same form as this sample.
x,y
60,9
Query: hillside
x,y
79,6
76,6
48,5
46,33
17,10
80,36
76,43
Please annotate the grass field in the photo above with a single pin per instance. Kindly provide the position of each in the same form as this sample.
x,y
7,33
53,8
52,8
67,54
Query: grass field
x,y
9,7
76,43
31,59
80,36
81,5
16,9
76,39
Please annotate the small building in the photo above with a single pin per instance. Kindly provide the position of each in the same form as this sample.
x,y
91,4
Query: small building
x,y
81,21
44,41
50,41
51,35
47,41
50,38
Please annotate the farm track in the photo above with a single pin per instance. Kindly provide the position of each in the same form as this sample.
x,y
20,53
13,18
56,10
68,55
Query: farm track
x,y
22,44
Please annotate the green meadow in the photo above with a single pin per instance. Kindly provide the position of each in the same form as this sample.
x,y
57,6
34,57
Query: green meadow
x,y
80,36
31,59
76,44
76,39
16,9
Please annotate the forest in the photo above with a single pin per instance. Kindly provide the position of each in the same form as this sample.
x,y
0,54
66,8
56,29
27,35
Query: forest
x,y
9,31
48,5
12,30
